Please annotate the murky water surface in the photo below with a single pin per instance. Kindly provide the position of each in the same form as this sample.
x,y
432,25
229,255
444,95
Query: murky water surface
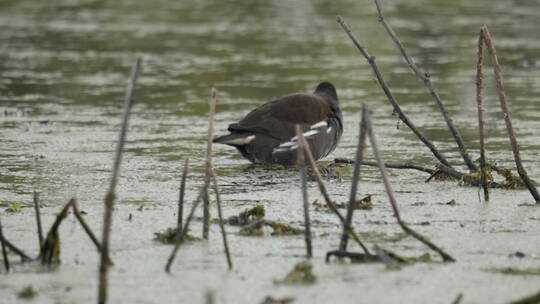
x,y
63,69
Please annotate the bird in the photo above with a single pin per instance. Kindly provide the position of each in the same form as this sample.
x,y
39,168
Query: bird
x,y
267,134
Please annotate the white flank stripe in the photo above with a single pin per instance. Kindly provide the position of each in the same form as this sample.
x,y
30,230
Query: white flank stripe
x,y
310,133
319,125
328,130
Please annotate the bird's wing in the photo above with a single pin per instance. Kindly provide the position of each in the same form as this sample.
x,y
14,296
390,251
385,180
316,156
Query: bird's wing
x,y
279,117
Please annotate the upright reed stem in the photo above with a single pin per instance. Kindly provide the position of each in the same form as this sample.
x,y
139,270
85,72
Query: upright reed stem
x,y
303,185
208,172
110,197
480,106
507,119
354,184
181,198
38,219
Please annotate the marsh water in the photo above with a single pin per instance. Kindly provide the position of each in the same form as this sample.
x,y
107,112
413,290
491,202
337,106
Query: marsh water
x,y
63,70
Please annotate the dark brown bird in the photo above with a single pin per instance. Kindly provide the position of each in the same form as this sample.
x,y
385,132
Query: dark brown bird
x,y
267,134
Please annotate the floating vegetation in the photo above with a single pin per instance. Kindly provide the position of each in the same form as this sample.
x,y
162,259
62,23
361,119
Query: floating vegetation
x,y
168,236
264,227
364,204
27,293
248,216
14,207
301,274
515,271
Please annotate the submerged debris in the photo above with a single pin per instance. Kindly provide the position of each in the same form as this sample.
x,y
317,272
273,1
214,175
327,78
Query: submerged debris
x,y
264,227
332,170
301,274
27,293
168,236
248,216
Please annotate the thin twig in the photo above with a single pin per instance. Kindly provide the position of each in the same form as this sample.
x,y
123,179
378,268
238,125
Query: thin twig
x,y
388,165
87,229
446,257
322,188
181,199
480,106
208,172
186,224
426,79
4,251
303,185
507,119
221,226
20,253
354,184
109,198
38,219
391,99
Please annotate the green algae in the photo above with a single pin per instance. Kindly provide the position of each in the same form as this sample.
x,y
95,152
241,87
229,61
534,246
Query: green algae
x,y
27,293
247,216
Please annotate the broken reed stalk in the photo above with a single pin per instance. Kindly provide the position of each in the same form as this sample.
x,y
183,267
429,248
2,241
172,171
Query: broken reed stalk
x,y
426,79
301,161
38,218
85,226
504,107
322,188
221,225
181,199
4,251
354,184
480,106
446,257
50,249
390,96
180,239
458,298
208,172
110,197
388,165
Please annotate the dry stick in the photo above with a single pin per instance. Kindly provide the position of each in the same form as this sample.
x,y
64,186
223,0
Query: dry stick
x,y
426,79
480,106
303,184
322,189
181,199
180,239
38,218
109,198
397,108
24,256
390,193
388,165
507,119
4,252
354,184
206,205
221,226
85,226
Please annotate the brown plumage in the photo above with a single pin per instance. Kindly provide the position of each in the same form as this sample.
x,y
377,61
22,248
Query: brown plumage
x,y
259,134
